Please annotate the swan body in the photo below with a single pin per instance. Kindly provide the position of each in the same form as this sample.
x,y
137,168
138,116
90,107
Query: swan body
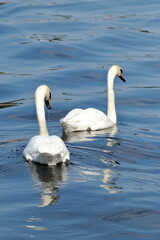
x,y
87,119
43,148
91,118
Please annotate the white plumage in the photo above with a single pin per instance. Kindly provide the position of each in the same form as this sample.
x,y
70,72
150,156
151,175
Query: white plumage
x,y
91,118
43,148
85,120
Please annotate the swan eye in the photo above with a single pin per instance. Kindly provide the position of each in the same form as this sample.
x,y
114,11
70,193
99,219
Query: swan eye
x,y
49,95
121,70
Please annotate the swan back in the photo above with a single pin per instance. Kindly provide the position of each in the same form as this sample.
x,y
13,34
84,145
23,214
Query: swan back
x,y
49,150
85,120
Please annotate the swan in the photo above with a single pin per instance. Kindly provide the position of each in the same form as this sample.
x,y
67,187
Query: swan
x,y
43,148
91,118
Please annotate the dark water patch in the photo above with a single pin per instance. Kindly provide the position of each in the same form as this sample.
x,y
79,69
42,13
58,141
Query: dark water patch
x,y
15,74
40,37
139,152
1,3
11,103
131,214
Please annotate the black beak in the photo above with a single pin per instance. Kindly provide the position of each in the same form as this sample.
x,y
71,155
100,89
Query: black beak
x,y
48,104
122,78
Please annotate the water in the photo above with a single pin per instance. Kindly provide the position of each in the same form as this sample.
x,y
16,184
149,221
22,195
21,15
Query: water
x,y
111,188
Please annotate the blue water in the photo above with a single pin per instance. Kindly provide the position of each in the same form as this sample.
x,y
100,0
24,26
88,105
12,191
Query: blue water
x,y
111,189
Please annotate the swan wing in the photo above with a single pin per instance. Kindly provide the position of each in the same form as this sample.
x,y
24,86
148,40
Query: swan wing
x,y
73,113
68,123
94,119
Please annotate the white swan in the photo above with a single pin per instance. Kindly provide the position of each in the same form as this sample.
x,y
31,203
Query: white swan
x,y
91,118
43,148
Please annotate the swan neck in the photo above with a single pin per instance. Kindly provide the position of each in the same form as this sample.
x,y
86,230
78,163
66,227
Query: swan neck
x,y
110,80
111,100
41,115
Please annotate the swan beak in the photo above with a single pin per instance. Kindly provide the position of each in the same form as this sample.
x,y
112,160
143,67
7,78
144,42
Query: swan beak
x,y
48,104
122,78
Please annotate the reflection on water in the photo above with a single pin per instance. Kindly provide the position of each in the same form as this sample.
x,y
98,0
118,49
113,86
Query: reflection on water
x,y
111,141
40,37
140,218
89,135
15,74
49,178
109,181
10,141
38,228
109,177
11,103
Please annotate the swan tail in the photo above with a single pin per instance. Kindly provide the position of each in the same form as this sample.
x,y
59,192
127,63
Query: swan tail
x,y
49,159
52,160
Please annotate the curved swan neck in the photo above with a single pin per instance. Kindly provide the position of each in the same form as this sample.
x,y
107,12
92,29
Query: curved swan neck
x,y
39,99
111,98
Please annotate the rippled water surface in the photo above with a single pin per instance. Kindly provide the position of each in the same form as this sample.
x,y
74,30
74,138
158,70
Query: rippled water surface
x,y
111,188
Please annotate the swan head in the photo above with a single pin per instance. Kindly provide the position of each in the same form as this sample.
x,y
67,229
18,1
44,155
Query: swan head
x,y
116,70
44,92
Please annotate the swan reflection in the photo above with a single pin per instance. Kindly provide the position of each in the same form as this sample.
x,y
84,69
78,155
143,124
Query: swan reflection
x,y
109,180
49,178
109,177
89,135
